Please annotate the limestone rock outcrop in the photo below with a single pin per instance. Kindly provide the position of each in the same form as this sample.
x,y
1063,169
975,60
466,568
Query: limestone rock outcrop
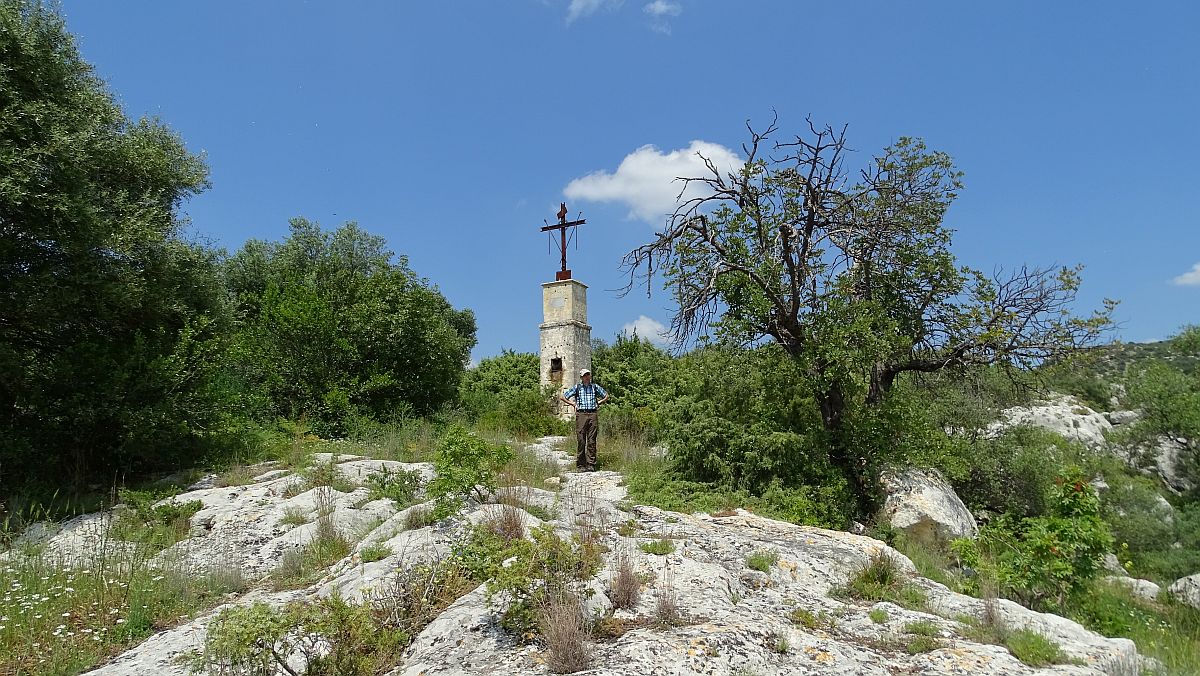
x,y
735,619
922,503
1062,415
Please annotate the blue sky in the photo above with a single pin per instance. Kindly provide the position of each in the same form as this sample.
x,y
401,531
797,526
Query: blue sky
x,y
454,128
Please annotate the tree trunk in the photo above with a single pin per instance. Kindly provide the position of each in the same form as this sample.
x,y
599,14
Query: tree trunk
x,y
842,454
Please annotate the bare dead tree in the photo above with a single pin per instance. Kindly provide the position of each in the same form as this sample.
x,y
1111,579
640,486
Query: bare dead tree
x,y
787,247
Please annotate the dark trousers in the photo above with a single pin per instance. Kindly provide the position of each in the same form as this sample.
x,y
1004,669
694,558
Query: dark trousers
x,y
586,429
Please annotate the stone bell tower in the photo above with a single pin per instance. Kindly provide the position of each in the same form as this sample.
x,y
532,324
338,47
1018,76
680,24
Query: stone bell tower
x,y
566,337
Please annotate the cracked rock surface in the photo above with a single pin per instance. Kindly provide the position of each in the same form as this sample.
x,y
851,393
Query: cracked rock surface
x,y
736,620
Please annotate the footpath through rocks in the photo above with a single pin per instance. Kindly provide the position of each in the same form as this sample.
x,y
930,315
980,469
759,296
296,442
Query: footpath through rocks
x,y
733,618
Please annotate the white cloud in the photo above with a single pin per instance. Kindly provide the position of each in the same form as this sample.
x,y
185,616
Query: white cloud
x,y
650,329
660,11
645,180
581,8
1189,278
661,8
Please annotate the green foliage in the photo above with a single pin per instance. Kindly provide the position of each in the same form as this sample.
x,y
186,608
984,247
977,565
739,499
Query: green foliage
x,y
67,619
335,638
660,547
375,552
1014,472
762,560
539,569
1168,397
878,615
464,464
332,325
922,628
1168,631
1043,561
865,291
654,483
504,393
400,486
111,328
921,644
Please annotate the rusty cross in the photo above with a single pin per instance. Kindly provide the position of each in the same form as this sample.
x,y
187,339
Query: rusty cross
x,y
561,226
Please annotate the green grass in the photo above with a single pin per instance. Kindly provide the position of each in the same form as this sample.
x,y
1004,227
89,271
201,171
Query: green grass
x,y
921,644
661,547
922,628
375,552
878,615
880,579
649,481
1034,649
762,560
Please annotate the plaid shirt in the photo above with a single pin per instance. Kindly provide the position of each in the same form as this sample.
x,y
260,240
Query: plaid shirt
x,y
585,396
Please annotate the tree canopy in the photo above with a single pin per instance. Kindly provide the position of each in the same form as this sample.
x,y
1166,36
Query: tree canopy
x,y
332,324
852,275
105,312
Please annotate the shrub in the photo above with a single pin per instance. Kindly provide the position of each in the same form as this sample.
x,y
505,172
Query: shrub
x,y
661,547
158,526
465,464
625,588
1042,561
762,560
507,522
418,517
1034,649
536,570
566,635
400,486
921,644
375,552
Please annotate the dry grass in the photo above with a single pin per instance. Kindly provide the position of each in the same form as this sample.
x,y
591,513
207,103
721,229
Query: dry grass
x,y
625,588
666,603
566,634
508,522
418,517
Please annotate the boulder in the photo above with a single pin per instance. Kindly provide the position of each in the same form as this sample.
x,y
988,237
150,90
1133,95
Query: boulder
x,y
1143,589
1187,590
1162,458
922,504
1122,417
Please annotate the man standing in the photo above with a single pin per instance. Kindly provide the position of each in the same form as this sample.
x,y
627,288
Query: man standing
x,y
588,398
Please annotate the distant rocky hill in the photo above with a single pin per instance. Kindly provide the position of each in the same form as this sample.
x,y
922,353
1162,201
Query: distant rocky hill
x,y
1110,361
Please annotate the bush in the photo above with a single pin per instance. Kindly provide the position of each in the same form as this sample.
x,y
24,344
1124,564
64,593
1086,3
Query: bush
x,y
400,486
1013,473
1042,561
762,560
465,464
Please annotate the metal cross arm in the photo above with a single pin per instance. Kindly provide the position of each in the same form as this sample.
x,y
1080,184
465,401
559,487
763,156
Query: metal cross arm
x,y
561,226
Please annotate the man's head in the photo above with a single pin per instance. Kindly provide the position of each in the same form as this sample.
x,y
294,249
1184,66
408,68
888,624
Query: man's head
x,y
585,375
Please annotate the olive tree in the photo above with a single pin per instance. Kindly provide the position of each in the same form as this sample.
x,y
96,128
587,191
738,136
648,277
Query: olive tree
x,y
852,274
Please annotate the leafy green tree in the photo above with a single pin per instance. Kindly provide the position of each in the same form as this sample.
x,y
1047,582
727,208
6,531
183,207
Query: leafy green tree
x,y
504,392
109,321
854,279
332,325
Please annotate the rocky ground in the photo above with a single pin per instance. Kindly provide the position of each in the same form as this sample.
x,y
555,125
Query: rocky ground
x,y
737,620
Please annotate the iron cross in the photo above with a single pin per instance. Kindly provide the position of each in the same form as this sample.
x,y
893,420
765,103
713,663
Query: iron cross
x,y
561,226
